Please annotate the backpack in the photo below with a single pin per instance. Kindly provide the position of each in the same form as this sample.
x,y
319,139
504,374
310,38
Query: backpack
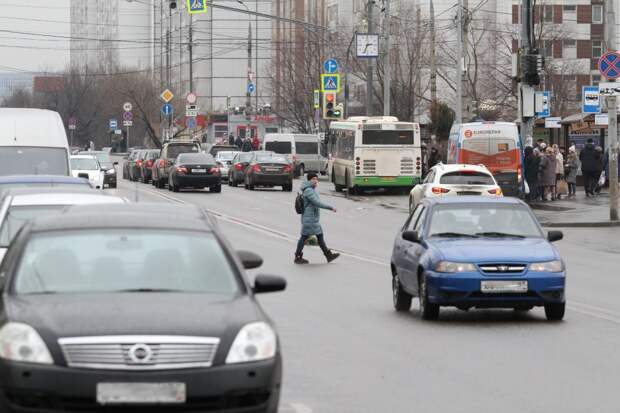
x,y
299,203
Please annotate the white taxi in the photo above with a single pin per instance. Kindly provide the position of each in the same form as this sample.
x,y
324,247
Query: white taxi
x,y
87,166
455,180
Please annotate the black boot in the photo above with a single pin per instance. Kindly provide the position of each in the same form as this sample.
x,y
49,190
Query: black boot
x,y
330,256
299,259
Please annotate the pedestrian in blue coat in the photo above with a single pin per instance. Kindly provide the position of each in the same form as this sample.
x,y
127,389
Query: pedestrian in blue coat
x,y
310,218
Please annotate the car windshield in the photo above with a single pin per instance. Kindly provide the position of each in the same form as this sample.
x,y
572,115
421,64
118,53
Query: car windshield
x,y
124,260
17,216
84,164
466,178
483,220
33,161
176,150
102,157
245,157
271,158
225,156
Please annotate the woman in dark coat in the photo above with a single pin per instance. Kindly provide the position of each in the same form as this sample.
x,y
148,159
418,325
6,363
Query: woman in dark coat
x,y
532,163
547,173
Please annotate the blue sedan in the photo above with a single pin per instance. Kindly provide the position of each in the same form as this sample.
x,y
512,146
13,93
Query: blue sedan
x,y
469,252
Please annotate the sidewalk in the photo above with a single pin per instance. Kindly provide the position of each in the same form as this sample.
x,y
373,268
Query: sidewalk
x,y
575,212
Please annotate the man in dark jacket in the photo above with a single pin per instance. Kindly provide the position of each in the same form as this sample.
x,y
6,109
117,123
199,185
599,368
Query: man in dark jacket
x,y
532,164
247,145
434,158
239,142
231,140
591,167
310,220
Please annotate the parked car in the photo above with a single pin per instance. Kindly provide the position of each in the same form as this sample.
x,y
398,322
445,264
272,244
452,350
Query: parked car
x,y
129,162
224,161
239,164
33,142
18,205
42,181
88,167
195,170
269,170
303,151
157,314
107,165
215,149
480,252
146,166
169,152
135,168
455,180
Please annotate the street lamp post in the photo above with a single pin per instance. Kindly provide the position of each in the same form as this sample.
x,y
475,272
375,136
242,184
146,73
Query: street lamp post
x,y
248,97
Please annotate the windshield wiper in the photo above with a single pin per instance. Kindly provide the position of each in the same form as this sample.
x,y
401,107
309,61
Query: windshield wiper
x,y
499,234
148,290
453,235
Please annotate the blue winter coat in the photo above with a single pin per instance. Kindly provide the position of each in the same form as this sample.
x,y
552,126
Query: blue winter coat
x,y
312,210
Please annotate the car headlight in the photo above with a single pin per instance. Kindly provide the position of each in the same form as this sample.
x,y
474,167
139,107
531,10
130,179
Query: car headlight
x,y
453,267
549,266
111,171
20,342
254,342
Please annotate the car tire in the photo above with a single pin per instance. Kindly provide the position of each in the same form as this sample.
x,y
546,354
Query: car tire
x,y
287,188
216,189
555,311
176,188
113,185
400,297
251,187
428,310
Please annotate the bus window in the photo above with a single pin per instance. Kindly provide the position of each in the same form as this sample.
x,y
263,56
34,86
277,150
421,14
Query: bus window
x,y
387,137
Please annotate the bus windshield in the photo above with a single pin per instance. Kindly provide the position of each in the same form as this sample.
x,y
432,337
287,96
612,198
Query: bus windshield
x,y
387,137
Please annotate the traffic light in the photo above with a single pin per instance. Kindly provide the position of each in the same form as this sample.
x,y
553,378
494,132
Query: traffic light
x,y
172,4
331,110
530,64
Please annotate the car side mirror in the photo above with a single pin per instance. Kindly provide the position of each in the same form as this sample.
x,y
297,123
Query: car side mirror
x,y
553,236
83,175
249,259
268,284
411,236
115,163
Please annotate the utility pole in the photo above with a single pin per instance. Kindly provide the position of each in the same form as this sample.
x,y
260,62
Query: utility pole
x,y
387,76
370,68
612,108
526,90
459,64
191,55
465,95
433,55
248,102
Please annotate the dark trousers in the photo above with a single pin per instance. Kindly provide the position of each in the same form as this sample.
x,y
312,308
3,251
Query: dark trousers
x,y
590,181
572,188
304,238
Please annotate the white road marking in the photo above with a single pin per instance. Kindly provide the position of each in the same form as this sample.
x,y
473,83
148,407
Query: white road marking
x,y
300,408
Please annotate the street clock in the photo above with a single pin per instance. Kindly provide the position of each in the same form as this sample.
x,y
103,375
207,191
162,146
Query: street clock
x,y
367,45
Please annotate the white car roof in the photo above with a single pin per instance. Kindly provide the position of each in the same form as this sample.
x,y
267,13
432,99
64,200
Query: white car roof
x,y
445,168
31,127
83,157
67,198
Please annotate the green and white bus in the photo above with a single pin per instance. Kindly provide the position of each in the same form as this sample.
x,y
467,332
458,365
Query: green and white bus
x,y
374,152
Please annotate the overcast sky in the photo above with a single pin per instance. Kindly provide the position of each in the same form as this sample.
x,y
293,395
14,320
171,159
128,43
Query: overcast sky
x,y
20,49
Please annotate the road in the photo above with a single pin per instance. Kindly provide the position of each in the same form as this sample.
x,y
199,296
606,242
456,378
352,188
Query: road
x,y
346,350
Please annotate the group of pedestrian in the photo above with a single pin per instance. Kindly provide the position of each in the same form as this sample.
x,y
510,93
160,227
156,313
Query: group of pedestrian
x,y
244,145
550,173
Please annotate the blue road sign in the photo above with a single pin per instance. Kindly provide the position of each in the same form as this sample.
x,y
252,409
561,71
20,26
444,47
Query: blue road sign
x,y
591,101
330,66
545,111
190,123
251,88
113,124
196,6
166,109
330,83
609,65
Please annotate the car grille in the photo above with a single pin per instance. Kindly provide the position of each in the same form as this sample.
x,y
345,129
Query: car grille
x,y
139,352
502,268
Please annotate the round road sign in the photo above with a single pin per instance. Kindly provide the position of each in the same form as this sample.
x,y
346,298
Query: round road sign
x,y
191,98
609,65
127,106
166,109
127,116
190,123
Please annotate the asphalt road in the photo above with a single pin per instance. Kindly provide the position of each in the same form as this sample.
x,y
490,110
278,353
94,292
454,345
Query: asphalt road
x,y
346,350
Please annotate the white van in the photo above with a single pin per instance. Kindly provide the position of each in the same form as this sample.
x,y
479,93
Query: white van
x,y
33,142
304,151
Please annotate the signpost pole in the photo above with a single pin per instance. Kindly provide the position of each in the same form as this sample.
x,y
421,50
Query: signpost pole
x,y
71,137
613,121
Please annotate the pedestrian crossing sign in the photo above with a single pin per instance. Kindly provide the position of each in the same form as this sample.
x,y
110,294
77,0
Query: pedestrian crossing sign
x,y
196,6
330,82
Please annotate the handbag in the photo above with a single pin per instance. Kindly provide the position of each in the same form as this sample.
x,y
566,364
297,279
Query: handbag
x,y
562,187
601,180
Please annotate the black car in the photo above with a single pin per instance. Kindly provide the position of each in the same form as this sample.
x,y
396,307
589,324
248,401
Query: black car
x,y
236,172
195,170
107,165
129,162
102,309
146,166
169,152
135,169
269,170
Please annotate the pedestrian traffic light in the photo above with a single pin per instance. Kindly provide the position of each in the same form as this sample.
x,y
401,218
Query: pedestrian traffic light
x,y
331,110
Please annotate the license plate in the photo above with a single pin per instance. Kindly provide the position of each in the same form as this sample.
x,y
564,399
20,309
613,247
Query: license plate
x,y
272,169
141,393
199,171
516,286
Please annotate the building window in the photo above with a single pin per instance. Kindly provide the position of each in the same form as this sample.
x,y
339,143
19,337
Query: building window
x,y
569,9
549,14
569,49
597,14
569,13
597,48
548,48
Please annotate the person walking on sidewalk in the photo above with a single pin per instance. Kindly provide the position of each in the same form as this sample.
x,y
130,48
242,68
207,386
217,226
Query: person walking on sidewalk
x,y
570,171
532,163
559,170
310,218
590,167
547,174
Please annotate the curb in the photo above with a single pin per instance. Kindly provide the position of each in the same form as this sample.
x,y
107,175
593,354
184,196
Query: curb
x,y
602,224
